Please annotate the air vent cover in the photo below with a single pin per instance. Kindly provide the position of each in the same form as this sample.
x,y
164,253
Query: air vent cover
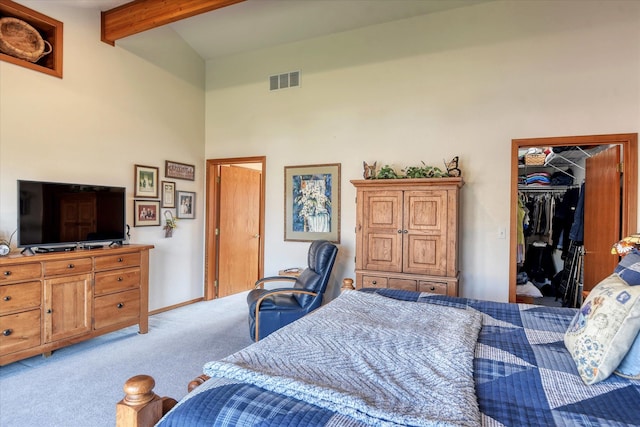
x,y
284,81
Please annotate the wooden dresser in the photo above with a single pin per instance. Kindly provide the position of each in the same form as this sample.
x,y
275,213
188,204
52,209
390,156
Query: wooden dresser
x,y
407,234
49,301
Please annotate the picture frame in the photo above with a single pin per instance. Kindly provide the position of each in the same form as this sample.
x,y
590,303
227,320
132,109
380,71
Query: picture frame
x,y
145,182
179,170
168,194
312,203
186,205
146,213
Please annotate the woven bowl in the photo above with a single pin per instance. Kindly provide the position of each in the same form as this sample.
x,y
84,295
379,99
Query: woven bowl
x,y
19,39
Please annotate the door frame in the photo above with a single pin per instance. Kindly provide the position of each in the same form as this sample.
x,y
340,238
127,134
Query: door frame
x,y
629,200
212,219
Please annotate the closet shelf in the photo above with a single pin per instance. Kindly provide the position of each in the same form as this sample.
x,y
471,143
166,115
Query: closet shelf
x,y
545,189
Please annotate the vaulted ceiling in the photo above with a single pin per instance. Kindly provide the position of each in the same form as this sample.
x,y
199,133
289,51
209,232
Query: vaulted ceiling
x,y
215,28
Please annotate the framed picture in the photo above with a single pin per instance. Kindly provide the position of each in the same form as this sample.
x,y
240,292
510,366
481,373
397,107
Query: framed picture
x,y
186,205
146,213
168,194
179,170
146,182
312,203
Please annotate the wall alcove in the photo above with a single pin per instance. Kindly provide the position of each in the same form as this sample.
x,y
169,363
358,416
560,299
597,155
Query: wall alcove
x,y
50,29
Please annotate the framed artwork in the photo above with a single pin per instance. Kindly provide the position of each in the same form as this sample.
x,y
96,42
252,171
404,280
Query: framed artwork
x,y
186,205
146,182
179,170
168,194
146,213
312,203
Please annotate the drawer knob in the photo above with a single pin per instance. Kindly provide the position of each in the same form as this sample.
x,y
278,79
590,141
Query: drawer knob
x,y
399,231
7,273
49,311
120,305
70,266
433,288
7,332
120,279
7,298
119,259
374,282
405,231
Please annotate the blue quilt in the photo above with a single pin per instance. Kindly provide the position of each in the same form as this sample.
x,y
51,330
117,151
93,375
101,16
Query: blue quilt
x,y
524,376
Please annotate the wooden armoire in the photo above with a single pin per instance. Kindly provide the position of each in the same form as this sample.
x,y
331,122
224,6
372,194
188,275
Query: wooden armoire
x,y
407,234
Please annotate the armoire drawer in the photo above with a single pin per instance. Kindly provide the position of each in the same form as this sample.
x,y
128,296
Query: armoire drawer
x,y
117,280
116,308
110,262
16,273
432,287
20,296
374,282
19,331
72,266
406,284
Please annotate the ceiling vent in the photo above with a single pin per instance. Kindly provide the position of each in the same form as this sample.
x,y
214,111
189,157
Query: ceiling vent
x,y
284,81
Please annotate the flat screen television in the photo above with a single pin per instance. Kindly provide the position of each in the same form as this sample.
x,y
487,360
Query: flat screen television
x,y
55,214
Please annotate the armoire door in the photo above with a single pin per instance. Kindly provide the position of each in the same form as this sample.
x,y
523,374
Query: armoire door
x,y
602,215
382,231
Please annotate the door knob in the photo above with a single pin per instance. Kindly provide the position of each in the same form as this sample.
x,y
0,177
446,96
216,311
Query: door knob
x,y
255,236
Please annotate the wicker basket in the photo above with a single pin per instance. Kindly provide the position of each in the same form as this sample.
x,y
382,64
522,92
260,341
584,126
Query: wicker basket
x,y
534,159
19,39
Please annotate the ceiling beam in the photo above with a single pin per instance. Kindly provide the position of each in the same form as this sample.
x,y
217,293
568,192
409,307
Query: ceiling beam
x,y
142,15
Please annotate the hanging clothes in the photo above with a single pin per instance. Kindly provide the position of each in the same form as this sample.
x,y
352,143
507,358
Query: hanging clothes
x,y
563,219
577,229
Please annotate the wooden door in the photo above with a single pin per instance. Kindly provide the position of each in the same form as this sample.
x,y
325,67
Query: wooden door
x,y
67,304
239,229
425,232
602,215
382,230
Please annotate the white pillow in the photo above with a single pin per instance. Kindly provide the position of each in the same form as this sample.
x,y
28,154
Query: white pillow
x,y
604,328
528,290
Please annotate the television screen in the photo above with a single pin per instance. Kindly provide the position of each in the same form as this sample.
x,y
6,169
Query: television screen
x,y
53,213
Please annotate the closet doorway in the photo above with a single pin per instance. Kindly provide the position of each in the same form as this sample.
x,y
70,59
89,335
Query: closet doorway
x,y
616,215
234,244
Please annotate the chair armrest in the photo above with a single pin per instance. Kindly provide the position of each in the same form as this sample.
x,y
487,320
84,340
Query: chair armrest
x,y
260,282
275,292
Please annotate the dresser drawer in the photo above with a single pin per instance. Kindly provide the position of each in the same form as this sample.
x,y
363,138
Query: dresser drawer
x,y
374,282
432,287
72,266
117,261
15,273
19,331
116,308
117,280
20,296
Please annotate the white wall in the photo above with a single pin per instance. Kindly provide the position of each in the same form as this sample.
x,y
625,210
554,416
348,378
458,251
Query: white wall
x,y
111,110
462,82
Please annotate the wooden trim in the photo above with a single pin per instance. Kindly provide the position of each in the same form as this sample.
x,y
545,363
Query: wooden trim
x,y
212,217
629,143
142,15
172,307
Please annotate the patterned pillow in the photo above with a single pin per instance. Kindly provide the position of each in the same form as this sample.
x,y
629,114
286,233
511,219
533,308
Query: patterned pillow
x,y
630,366
629,268
604,328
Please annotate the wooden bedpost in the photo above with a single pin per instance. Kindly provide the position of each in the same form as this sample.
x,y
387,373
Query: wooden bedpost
x,y
141,407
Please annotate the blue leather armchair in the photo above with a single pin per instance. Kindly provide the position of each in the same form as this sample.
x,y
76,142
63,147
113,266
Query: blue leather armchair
x,y
271,309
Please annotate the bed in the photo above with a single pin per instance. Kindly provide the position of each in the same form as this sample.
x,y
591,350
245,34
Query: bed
x,y
391,357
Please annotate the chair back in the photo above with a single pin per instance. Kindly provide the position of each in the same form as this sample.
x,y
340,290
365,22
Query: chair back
x,y
320,260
